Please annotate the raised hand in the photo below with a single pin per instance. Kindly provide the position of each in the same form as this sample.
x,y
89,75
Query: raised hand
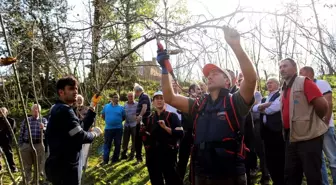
x,y
162,56
232,37
94,100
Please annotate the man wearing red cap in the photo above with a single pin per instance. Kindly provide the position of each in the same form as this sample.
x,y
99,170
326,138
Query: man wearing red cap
x,y
218,151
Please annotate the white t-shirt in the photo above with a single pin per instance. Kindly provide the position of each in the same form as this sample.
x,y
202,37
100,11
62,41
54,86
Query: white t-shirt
x,y
325,88
174,110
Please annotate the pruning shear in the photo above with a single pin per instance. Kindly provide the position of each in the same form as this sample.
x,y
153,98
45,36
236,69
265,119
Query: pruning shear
x,y
166,62
160,49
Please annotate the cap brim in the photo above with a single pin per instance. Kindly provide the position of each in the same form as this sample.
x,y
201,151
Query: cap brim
x,y
157,95
208,68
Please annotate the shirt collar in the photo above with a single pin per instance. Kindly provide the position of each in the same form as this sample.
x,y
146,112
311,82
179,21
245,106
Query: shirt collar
x,y
273,92
130,103
33,118
114,105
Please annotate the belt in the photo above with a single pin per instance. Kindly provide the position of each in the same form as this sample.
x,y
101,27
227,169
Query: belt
x,y
231,145
34,142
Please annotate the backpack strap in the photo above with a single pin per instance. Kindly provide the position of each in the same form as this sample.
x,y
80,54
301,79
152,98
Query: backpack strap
x,y
167,118
236,127
240,136
200,108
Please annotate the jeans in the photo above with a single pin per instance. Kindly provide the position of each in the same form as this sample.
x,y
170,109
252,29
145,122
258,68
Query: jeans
x,y
329,149
325,180
110,135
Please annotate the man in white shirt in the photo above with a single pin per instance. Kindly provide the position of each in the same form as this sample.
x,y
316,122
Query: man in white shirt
x,y
271,131
329,141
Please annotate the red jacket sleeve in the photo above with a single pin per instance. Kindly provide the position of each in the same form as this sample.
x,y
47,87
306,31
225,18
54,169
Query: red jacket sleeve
x,y
311,90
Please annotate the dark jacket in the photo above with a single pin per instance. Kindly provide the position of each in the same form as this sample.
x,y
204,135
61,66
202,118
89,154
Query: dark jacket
x,y
159,136
5,135
65,135
274,121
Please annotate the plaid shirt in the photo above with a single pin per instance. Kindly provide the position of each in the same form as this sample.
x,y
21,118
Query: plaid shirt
x,y
35,130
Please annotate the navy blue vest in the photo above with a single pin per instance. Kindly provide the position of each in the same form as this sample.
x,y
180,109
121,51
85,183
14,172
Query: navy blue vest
x,y
274,121
219,147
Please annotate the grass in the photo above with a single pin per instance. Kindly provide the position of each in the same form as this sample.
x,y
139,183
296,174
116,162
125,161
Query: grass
x,y
122,173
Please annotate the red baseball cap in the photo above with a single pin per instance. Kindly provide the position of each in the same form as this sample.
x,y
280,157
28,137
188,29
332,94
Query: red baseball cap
x,y
209,67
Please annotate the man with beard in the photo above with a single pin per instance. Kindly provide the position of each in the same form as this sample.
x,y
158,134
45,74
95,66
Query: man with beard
x,y
218,152
303,110
65,135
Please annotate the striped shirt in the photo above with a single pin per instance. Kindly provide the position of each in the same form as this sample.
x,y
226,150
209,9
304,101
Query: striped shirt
x,y
35,130
130,110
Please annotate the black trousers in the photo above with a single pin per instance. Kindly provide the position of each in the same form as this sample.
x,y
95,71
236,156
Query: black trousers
x,y
138,141
251,160
303,157
45,143
275,154
7,149
184,153
239,180
59,174
161,165
259,149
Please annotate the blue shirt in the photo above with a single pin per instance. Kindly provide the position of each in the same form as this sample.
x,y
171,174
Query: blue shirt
x,y
130,110
114,115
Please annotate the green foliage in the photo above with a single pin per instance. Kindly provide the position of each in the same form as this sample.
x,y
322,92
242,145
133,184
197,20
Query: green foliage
x,y
178,11
150,88
332,81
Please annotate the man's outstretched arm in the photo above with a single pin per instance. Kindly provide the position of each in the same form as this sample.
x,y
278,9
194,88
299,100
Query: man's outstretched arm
x,y
179,102
248,85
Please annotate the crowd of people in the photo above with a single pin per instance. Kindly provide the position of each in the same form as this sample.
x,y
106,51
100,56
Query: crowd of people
x,y
224,126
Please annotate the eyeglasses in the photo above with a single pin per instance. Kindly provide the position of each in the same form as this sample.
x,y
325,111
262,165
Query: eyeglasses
x,y
115,97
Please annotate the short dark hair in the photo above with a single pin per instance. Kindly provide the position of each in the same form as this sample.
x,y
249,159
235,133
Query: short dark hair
x,y
309,69
192,87
66,81
291,61
114,94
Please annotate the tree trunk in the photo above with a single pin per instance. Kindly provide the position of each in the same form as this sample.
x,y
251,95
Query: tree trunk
x,y
325,58
96,36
